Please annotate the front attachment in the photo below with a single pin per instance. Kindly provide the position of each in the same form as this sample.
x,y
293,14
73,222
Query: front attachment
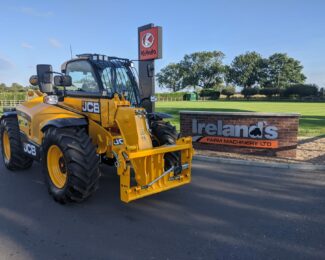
x,y
149,170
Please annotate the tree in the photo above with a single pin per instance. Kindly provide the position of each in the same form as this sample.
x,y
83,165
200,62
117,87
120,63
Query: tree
x,y
301,90
171,77
15,87
210,93
32,87
203,69
269,92
245,70
248,92
228,91
3,87
282,70
322,92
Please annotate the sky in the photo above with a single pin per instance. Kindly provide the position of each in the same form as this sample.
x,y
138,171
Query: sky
x,y
34,32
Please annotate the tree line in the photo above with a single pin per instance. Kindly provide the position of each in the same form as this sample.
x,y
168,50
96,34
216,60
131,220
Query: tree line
x,y
250,71
14,87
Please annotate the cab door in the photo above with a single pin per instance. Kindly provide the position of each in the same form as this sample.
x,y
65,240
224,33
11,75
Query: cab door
x,y
85,93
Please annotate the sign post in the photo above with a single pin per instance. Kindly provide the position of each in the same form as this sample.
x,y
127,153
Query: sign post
x,y
149,49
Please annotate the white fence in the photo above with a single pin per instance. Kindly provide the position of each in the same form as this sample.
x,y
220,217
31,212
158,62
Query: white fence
x,y
10,103
170,99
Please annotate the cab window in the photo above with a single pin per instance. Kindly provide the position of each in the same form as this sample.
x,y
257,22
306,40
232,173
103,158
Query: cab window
x,y
116,79
107,79
83,77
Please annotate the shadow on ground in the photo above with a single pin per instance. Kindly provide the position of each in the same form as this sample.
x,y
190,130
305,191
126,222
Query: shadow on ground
x,y
227,212
312,125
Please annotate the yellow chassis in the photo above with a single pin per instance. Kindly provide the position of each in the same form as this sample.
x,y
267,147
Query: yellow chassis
x,y
135,154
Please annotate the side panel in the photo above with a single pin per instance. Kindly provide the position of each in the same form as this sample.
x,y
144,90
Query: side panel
x,y
99,136
24,122
30,148
91,107
133,127
104,112
34,115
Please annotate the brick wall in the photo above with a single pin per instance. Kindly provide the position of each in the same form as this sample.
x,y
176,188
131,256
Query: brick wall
x,y
286,124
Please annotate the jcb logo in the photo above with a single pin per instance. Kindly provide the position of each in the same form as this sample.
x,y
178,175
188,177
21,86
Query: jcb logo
x,y
118,141
30,149
90,107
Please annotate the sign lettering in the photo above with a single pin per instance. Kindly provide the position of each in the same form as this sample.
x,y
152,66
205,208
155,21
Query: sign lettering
x,y
150,44
259,135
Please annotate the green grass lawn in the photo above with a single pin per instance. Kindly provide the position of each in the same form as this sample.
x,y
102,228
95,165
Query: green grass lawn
x,y
312,121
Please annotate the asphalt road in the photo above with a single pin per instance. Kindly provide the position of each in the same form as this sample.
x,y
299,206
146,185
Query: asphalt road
x,y
228,212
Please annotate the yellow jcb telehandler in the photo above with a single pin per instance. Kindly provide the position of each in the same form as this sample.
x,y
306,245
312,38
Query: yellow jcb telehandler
x,y
91,113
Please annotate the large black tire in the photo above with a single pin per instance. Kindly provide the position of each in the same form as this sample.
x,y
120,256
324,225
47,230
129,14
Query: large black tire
x,y
164,133
16,159
80,164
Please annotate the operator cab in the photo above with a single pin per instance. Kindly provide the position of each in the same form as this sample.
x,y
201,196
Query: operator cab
x,y
95,75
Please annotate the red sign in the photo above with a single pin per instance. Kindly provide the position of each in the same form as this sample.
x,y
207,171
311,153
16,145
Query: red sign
x,y
150,44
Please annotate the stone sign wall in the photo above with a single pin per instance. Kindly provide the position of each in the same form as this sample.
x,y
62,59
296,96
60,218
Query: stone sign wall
x,y
240,132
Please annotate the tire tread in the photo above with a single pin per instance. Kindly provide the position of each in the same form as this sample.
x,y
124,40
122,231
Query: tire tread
x,y
82,164
18,160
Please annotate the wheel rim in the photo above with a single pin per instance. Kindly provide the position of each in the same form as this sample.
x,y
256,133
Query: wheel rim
x,y
6,145
56,166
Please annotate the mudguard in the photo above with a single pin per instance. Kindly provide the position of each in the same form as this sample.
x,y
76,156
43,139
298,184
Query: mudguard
x,y
65,122
156,116
8,114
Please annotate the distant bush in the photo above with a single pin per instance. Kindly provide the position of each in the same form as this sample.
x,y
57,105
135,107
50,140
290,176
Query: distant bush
x,y
173,95
210,93
248,92
301,90
269,92
228,91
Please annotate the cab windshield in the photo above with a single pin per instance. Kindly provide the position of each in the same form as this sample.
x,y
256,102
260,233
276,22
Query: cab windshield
x,y
117,77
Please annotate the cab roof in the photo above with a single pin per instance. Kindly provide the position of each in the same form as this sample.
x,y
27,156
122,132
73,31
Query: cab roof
x,y
95,58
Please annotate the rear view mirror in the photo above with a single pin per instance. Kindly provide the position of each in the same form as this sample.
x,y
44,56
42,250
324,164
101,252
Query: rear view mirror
x,y
44,73
63,81
33,80
45,77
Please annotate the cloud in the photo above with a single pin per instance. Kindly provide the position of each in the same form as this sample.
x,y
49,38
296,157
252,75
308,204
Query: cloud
x,y
33,12
26,45
55,43
6,64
